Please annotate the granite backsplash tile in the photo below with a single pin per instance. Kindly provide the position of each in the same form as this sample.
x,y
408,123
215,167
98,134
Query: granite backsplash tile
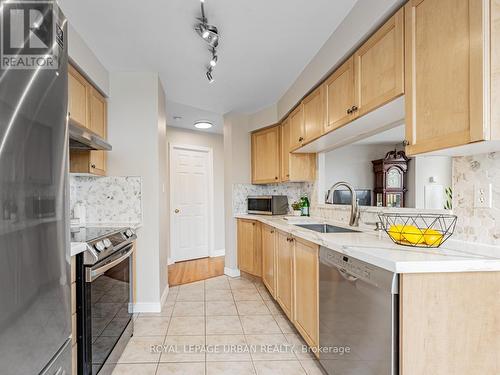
x,y
107,199
294,190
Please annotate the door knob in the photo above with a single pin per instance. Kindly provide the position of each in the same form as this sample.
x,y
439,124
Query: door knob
x,y
176,211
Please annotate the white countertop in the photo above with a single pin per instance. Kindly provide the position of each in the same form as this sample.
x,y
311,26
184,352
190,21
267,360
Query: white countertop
x,y
79,247
379,250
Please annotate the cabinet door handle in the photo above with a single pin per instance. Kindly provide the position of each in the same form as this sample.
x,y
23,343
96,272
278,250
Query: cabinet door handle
x,y
276,178
272,231
349,111
406,142
92,166
301,139
354,108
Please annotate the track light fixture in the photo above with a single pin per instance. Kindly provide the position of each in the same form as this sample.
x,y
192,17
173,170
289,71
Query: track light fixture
x,y
210,35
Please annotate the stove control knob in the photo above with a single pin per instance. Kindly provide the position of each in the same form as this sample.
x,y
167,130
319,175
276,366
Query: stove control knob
x,y
107,242
129,233
99,246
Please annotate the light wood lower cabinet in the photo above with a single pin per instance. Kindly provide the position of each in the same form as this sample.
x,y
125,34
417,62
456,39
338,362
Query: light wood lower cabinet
x,y
269,240
458,330
249,246
284,273
306,290
74,353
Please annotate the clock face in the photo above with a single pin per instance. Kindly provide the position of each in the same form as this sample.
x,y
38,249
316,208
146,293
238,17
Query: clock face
x,y
394,179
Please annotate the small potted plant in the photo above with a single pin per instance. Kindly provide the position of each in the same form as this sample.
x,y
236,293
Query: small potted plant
x,y
296,208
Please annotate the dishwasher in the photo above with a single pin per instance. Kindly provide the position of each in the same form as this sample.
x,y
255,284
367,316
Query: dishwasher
x,y
358,316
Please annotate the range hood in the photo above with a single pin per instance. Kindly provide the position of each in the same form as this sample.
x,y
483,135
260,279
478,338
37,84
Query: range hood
x,y
81,138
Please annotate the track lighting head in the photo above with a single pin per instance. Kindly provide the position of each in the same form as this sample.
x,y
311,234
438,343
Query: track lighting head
x,y
209,75
214,59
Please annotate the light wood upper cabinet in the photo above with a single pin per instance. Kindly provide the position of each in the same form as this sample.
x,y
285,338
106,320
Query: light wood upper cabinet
x,y
339,92
285,151
249,246
98,113
284,273
379,66
296,128
313,107
78,94
266,154
444,74
269,239
295,167
306,290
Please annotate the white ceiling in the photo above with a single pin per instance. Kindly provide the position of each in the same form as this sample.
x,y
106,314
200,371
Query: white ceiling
x,y
190,115
264,45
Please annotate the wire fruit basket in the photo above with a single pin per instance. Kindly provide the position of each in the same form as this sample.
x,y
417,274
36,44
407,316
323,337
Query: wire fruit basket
x,y
418,230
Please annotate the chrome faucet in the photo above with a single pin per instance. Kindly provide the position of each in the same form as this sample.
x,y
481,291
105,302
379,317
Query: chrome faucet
x,y
354,220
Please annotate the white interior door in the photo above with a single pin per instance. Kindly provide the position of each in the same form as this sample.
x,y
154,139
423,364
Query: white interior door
x,y
190,188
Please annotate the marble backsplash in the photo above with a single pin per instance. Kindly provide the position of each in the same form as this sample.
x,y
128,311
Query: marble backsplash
x,y
107,200
294,190
480,225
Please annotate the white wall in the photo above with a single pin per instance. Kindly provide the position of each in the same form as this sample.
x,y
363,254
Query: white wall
x,y
236,171
364,18
425,167
136,132
265,117
179,136
82,56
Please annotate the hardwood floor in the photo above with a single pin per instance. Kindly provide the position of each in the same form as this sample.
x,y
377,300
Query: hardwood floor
x,y
195,270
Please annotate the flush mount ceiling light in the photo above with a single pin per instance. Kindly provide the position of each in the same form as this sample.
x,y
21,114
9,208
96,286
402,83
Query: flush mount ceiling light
x,y
210,34
203,124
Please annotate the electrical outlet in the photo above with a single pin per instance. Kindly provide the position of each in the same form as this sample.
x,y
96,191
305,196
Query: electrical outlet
x,y
483,195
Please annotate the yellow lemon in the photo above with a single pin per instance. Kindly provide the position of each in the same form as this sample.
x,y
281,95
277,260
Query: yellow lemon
x,y
433,237
412,234
395,232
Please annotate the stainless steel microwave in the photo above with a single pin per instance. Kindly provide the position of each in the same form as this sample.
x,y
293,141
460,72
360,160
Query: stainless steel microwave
x,y
268,205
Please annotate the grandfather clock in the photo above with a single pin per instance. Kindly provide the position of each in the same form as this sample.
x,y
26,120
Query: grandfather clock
x,y
390,179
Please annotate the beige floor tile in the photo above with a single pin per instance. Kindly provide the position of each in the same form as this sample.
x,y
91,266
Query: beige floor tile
x,y
230,368
227,348
223,325
246,295
279,368
241,284
129,369
259,324
138,350
285,325
165,311
183,349
197,368
274,308
301,349
189,309
187,325
197,295
218,295
171,298
220,282
312,367
151,326
213,308
252,308
264,293
174,289
270,347
192,287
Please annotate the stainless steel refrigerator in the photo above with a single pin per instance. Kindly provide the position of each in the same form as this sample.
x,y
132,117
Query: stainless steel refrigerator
x,y
35,299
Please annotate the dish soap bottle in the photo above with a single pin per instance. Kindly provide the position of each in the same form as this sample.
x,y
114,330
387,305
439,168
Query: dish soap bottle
x,y
304,207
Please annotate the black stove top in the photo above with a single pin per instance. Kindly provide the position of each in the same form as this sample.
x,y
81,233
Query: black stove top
x,y
89,234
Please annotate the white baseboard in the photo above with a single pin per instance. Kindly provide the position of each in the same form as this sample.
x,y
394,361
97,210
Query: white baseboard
x,y
231,272
147,307
218,253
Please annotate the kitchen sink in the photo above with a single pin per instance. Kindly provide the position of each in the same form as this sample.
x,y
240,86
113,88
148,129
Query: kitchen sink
x,y
326,228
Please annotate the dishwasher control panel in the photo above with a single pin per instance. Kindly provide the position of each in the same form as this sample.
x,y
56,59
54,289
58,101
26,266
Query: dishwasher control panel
x,y
354,269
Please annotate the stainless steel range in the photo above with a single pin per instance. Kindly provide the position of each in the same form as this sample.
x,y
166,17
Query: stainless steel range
x,y
104,294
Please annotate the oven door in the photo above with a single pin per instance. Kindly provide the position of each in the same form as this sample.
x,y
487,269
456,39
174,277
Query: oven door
x,y
106,306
